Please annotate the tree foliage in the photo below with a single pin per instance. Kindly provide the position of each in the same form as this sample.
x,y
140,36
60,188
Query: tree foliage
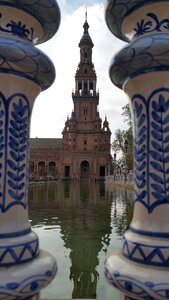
x,y
127,114
118,145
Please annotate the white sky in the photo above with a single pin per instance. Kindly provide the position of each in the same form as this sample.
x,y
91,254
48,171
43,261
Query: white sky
x,y
53,105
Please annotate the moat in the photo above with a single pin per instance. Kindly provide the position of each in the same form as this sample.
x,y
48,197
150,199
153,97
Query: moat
x,y
80,223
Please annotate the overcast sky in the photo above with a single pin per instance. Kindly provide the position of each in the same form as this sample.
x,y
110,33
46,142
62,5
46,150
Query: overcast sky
x,y
52,106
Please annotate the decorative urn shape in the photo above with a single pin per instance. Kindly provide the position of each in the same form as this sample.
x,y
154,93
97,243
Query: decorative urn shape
x,y
24,72
141,69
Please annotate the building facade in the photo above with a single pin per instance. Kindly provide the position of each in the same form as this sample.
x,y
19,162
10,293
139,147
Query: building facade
x,y
84,150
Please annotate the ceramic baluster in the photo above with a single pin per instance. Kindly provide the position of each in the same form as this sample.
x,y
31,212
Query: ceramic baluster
x,y
24,72
141,269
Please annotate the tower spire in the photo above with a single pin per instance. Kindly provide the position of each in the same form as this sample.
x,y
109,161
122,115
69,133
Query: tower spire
x,y
85,76
86,39
86,14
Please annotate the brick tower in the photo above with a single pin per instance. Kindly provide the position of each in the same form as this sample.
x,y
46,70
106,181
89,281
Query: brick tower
x,y
86,141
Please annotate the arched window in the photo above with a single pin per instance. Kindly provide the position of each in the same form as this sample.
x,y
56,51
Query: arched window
x,y
52,168
41,168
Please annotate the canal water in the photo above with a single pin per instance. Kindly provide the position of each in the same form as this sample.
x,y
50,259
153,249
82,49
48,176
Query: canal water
x,y
79,223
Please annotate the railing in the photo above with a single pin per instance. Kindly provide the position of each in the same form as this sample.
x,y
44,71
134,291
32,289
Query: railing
x,y
121,178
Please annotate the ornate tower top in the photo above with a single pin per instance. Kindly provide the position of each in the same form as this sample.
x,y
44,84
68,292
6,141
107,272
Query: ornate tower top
x,y
86,39
85,75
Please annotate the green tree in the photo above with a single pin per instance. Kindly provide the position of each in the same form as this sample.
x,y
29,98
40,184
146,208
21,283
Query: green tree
x,y
127,114
118,145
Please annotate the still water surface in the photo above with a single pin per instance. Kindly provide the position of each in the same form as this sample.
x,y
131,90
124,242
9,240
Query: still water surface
x,y
79,224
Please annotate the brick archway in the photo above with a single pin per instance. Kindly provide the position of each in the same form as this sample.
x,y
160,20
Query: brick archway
x,y
84,169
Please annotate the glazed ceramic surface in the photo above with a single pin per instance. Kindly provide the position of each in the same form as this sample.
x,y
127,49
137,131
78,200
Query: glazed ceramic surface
x,y
116,11
141,269
46,13
24,72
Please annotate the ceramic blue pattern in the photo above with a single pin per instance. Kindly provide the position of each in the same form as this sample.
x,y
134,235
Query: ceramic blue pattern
x,y
143,55
137,288
153,25
18,29
13,150
38,67
17,253
25,71
47,12
15,234
141,269
151,158
149,233
117,10
146,254
32,285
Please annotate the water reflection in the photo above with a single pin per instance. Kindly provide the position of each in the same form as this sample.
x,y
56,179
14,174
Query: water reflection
x,y
87,214
121,209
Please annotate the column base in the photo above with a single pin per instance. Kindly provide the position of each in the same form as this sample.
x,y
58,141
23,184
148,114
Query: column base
x,y
18,250
26,280
137,281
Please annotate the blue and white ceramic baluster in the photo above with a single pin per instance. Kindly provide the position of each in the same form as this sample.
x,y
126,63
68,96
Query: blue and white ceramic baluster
x,y
141,268
24,72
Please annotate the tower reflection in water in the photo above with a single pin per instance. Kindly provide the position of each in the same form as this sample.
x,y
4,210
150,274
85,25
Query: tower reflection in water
x,y
83,211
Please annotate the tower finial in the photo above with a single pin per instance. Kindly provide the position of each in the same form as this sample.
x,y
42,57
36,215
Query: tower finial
x,y
86,14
